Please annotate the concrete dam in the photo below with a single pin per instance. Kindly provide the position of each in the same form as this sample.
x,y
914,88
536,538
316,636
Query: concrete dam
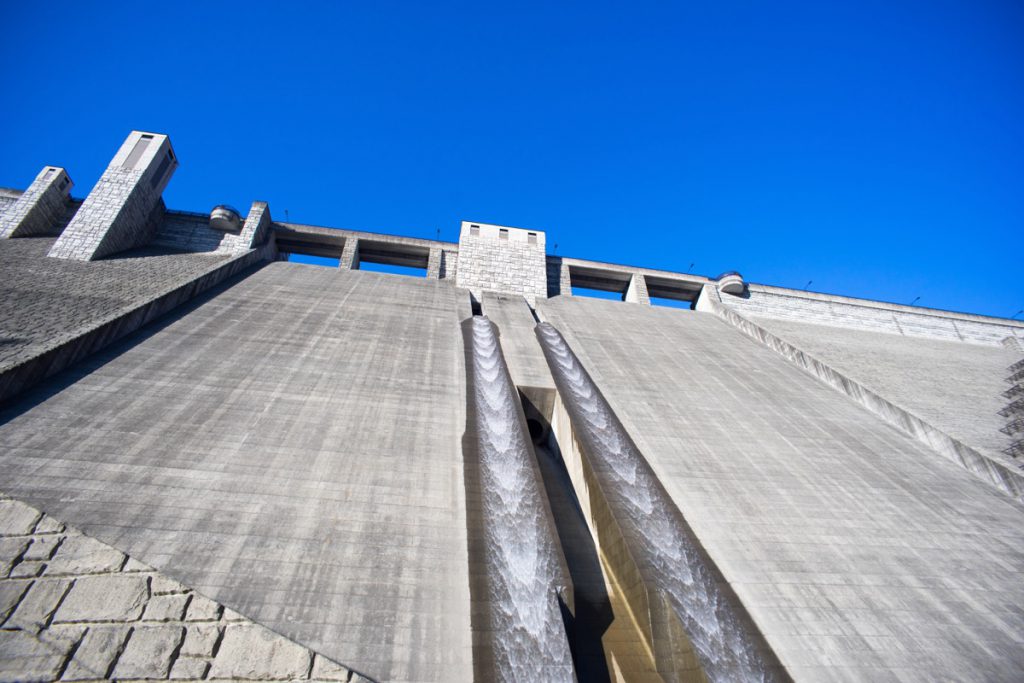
x,y
220,464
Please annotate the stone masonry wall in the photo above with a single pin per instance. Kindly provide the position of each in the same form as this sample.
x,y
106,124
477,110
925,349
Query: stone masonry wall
x,y
41,208
123,209
74,609
7,199
192,232
508,266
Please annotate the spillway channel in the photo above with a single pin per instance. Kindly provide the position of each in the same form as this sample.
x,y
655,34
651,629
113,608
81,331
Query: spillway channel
x,y
517,613
689,603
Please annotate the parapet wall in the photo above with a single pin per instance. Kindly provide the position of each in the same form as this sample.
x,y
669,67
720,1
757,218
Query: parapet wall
x,y
877,316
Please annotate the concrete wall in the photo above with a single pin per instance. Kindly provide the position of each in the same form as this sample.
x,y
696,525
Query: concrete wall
x,y
875,316
860,554
289,447
955,386
54,312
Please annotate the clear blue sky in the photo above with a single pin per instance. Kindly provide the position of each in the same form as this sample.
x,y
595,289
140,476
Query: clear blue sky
x,y
876,148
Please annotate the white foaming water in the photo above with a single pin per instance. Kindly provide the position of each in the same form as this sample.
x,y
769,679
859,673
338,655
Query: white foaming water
x,y
529,640
709,617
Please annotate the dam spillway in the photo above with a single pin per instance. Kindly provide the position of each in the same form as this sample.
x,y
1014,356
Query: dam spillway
x,y
524,635
660,543
293,445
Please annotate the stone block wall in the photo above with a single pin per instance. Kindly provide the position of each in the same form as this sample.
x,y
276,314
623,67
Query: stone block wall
x,y
192,232
40,209
636,292
124,208
75,609
7,199
497,259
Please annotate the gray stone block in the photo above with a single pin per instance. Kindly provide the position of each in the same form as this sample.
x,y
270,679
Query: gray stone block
x,y
200,640
11,593
105,597
16,518
189,669
26,659
166,607
149,652
42,548
253,652
161,584
27,569
35,609
13,548
49,525
326,670
203,609
84,555
96,653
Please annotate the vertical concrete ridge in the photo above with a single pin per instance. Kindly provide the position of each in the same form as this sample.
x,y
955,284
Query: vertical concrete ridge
x,y
98,333
74,608
999,475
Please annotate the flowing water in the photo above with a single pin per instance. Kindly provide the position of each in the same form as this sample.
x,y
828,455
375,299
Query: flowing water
x,y
657,536
523,563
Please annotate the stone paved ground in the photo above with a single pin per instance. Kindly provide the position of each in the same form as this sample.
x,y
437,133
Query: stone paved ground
x,y
75,609
44,301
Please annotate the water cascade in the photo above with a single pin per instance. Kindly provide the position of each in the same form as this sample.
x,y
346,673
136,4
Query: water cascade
x,y
696,604
523,567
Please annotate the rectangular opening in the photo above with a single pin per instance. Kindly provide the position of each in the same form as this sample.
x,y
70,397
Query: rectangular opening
x,y
673,289
474,230
502,233
49,173
137,151
671,303
591,293
309,259
531,237
392,269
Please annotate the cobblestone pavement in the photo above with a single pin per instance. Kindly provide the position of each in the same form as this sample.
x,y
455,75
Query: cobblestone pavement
x,y
75,609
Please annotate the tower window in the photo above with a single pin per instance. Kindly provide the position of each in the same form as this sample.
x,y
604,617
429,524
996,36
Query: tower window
x,y
531,237
474,230
502,234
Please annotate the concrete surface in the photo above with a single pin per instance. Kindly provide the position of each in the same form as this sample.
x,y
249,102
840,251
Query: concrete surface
x,y
858,553
75,609
53,312
957,387
519,344
289,447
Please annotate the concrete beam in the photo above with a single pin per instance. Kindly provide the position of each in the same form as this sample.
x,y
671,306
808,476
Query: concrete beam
x,y
123,208
41,208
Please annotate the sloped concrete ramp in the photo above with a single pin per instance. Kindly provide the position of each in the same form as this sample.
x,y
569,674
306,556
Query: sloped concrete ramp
x,y
858,553
288,446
